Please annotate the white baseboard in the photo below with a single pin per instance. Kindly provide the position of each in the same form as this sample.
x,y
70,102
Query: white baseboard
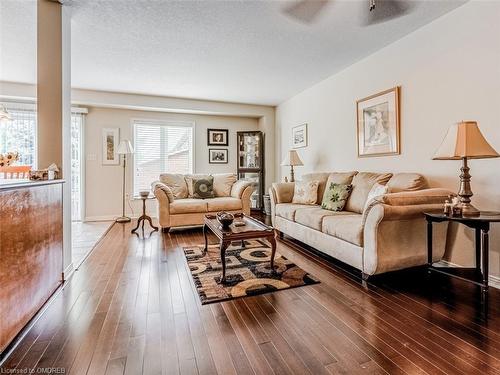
x,y
493,281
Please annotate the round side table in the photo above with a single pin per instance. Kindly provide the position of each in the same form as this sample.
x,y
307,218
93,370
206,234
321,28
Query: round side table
x,y
144,217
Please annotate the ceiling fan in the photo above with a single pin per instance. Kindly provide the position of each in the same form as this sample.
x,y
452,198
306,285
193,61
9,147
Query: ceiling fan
x,y
377,11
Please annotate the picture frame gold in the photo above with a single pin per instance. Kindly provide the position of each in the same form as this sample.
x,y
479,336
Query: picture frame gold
x,y
378,126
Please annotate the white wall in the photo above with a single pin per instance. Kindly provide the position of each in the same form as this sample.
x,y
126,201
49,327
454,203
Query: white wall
x,y
104,182
448,71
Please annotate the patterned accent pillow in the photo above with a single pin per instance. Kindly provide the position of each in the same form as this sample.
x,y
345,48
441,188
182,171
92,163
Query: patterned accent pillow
x,y
336,196
305,192
203,187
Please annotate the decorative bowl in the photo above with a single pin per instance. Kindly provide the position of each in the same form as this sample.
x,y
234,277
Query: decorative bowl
x,y
225,219
144,193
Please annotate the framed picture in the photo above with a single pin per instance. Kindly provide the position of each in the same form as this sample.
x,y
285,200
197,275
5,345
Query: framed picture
x,y
378,124
217,156
110,139
217,137
299,136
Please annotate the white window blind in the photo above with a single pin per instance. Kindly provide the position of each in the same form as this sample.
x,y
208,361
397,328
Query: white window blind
x,y
161,147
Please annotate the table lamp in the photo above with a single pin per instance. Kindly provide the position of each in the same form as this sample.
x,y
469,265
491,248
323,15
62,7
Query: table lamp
x,y
292,159
124,148
465,141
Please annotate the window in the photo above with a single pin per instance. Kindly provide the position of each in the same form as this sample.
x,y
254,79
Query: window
x,y
20,135
161,147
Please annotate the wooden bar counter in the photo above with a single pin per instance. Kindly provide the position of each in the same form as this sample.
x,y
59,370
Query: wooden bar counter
x,y
31,251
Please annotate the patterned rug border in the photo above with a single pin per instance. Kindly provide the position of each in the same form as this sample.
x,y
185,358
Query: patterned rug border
x,y
313,280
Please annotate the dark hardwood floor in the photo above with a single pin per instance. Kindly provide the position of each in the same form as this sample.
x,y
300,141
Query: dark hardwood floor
x,y
132,308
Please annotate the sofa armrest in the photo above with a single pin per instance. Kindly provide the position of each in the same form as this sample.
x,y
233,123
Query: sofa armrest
x,y
245,199
162,191
239,187
283,191
394,237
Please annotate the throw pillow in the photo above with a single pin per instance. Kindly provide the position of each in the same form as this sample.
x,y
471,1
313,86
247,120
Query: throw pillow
x,y
335,197
376,191
189,181
203,187
305,192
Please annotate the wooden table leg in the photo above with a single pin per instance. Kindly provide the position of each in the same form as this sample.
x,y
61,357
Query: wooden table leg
x,y
272,240
484,259
205,229
138,224
223,247
429,243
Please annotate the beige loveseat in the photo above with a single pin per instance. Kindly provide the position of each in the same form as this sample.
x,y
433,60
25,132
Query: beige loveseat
x,y
386,234
176,207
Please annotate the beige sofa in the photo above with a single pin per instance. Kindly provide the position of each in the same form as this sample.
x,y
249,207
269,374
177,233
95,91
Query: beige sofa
x,y
386,234
176,207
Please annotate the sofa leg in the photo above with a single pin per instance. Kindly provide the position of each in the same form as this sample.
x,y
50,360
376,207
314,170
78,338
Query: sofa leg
x,y
364,280
165,229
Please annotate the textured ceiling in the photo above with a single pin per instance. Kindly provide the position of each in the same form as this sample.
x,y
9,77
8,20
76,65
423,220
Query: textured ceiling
x,y
238,51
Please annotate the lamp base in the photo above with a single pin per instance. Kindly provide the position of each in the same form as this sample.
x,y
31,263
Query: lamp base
x,y
468,210
123,219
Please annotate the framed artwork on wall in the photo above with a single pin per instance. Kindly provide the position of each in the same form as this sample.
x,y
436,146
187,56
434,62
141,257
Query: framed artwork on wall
x,y
299,136
217,156
217,137
110,140
378,125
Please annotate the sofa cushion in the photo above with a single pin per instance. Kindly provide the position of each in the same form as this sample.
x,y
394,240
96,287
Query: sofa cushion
x,y
406,182
347,227
176,183
223,182
312,217
335,197
223,204
203,187
361,186
287,210
188,205
305,192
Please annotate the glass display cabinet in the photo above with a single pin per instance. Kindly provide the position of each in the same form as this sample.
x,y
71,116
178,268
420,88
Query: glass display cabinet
x,y
251,164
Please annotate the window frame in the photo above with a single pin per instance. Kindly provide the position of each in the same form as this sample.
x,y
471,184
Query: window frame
x,y
158,122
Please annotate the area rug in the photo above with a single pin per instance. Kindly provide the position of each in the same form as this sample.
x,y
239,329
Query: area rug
x,y
248,271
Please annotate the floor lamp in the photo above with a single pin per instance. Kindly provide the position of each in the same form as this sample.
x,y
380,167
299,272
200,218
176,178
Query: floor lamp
x,y
124,148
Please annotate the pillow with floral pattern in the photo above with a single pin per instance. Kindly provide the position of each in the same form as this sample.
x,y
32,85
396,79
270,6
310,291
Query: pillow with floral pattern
x,y
305,192
335,197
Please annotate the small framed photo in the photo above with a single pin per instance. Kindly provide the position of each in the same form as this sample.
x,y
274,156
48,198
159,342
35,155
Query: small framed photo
x,y
110,140
299,136
378,124
217,137
217,156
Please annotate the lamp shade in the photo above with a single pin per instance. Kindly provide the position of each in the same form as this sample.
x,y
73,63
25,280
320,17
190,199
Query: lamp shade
x,y
464,140
125,147
292,158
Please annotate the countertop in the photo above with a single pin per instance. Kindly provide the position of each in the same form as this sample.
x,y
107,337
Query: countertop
x,y
7,184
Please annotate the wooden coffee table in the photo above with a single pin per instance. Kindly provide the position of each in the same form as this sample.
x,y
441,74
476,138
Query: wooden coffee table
x,y
252,229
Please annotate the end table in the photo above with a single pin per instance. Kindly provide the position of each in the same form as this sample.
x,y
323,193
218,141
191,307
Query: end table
x,y
144,217
481,224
